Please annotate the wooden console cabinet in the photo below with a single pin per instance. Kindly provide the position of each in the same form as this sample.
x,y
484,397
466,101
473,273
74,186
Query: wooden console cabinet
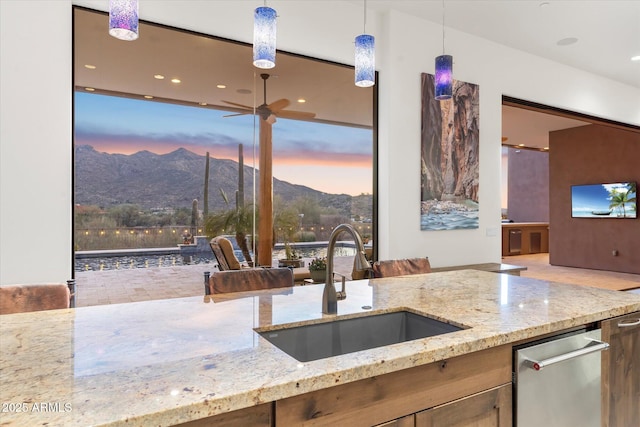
x,y
525,238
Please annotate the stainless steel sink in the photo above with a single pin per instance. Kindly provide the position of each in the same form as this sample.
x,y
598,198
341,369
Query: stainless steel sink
x,y
319,340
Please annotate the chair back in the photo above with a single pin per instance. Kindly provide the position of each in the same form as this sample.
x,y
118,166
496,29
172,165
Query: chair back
x,y
250,280
223,251
401,267
26,298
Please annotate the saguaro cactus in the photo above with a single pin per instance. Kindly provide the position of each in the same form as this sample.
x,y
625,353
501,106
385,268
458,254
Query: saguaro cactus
x,y
194,217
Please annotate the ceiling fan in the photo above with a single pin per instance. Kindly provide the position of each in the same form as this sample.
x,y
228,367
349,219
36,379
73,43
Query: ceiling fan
x,y
268,114
276,108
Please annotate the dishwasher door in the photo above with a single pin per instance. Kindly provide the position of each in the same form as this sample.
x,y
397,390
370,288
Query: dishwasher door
x,y
557,382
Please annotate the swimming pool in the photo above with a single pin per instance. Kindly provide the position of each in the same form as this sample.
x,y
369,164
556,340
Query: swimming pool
x,y
153,259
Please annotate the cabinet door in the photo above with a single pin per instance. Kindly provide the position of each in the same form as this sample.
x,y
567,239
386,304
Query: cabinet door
x,y
491,408
408,421
621,371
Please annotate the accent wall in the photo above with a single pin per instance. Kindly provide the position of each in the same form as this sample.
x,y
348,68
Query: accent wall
x,y
592,154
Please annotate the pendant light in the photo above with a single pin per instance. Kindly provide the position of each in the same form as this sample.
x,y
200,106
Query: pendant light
x,y
123,19
444,70
264,37
365,60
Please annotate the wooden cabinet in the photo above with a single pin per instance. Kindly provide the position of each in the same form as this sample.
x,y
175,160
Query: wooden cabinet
x,y
621,371
396,395
525,238
491,408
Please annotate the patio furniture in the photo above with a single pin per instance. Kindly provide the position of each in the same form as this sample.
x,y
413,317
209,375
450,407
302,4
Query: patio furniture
x,y
249,280
401,267
26,298
223,251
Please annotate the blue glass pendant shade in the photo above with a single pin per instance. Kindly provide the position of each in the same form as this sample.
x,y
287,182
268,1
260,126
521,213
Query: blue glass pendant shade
x,y
123,19
365,61
444,76
264,37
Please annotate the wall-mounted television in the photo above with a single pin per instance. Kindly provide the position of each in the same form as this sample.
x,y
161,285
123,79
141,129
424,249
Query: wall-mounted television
x,y
611,200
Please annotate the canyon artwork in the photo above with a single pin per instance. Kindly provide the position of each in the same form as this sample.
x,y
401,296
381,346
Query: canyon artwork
x,y
449,157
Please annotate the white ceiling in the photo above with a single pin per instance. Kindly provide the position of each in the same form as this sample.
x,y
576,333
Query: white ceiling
x,y
202,63
531,128
607,32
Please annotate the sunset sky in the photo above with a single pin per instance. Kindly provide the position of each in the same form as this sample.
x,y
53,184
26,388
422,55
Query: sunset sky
x,y
333,159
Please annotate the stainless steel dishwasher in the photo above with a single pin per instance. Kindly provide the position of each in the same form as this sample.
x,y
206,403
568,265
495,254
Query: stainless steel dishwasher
x,y
557,381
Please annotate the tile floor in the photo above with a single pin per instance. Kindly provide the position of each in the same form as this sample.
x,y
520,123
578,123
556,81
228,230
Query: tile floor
x,y
538,267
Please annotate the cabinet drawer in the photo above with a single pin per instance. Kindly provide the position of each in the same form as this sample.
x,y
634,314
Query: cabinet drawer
x,y
491,408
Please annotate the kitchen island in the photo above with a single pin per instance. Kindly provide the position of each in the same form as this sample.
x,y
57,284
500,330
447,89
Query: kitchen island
x,y
168,362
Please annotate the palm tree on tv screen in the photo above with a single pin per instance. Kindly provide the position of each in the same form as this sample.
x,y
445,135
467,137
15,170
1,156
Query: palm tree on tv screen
x,y
620,199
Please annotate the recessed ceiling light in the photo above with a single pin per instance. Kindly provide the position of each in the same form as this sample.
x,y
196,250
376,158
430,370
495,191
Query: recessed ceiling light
x,y
520,145
175,80
221,86
89,89
545,148
568,41
158,76
244,91
544,4
203,103
148,96
635,58
302,100
89,66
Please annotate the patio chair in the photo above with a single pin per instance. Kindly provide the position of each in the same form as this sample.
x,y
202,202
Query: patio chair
x,y
27,298
223,251
401,267
250,279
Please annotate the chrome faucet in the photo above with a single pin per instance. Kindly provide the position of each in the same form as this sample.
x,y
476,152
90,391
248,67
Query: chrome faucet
x,y
330,296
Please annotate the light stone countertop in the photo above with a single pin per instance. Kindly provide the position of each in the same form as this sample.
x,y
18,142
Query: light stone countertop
x,y
169,361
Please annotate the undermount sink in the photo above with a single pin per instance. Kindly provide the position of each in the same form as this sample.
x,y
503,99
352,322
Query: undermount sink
x,y
319,340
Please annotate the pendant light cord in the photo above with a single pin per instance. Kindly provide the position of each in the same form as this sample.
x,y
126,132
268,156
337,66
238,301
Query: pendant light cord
x,y
443,27
364,28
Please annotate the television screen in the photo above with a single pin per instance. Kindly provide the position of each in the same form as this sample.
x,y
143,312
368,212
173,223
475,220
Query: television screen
x,y
615,200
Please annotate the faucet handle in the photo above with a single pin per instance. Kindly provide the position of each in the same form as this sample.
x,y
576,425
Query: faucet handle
x,y
342,294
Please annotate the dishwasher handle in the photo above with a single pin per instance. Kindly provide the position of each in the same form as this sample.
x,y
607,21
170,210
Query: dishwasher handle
x,y
538,365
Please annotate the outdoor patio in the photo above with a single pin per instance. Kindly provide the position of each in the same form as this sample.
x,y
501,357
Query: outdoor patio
x,y
142,284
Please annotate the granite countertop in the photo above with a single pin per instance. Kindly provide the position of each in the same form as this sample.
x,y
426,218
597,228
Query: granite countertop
x,y
170,361
524,224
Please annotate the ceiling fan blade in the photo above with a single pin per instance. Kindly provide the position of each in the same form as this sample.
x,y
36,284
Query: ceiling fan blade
x,y
238,105
295,114
278,105
238,114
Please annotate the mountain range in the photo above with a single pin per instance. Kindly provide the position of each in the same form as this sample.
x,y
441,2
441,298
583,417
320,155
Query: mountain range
x,y
174,180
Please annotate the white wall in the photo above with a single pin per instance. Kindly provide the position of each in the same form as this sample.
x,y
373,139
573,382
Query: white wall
x,y
35,141
35,116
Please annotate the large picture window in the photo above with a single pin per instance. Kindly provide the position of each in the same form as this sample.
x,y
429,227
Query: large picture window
x,y
165,136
